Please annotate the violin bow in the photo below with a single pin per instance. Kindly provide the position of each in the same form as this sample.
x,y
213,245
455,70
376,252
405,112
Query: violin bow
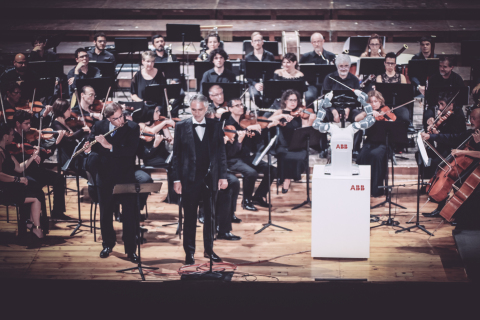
x,y
33,99
399,106
342,84
444,111
80,107
106,98
23,155
169,108
3,108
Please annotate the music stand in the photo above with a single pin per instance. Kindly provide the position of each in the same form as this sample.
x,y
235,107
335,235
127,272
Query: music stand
x,y
301,139
45,87
433,93
156,93
343,99
100,85
274,89
469,51
271,46
230,90
171,69
47,69
396,94
316,73
357,45
201,67
388,132
137,188
422,69
370,65
107,69
130,45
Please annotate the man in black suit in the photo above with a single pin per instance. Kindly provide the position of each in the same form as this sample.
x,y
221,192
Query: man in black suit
x,y
199,170
112,161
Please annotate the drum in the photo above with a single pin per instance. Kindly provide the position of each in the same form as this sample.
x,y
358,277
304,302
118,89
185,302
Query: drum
x,y
291,42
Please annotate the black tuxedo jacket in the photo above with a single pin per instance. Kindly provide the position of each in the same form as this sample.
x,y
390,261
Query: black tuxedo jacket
x,y
184,158
118,165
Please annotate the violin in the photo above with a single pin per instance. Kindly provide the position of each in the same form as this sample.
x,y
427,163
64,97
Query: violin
x,y
248,120
76,121
230,132
163,118
16,148
440,120
386,115
147,136
301,111
34,134
33,107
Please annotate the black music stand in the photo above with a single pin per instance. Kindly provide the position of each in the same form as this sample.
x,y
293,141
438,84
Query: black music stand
x,y
469,50
388,132
343,99
370,65
302,137
156,93
107,68
44,87
100,85
171,69
230,90
200,67
137,188
274,89
396,94
420,184
316,73
422,69
47,69
255,163
130,45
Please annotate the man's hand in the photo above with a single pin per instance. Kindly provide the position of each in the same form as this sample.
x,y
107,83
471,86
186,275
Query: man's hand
x,y
79,66
103,141
425,136
241,135
61,133
24,180
430,121
87,146
70,81
177,186
226,139
37,48
273,123
476,89
456,152
431,128
97,115
255,127
421,89
222,184
86,129
476,136
259,86
48,109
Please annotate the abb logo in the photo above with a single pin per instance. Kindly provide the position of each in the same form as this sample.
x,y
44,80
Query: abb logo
x,y
357,188
341,146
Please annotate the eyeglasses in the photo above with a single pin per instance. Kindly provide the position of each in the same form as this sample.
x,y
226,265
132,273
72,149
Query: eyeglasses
x,y
115,119
240,105
216,95
374,44
21,62
257,41
91,95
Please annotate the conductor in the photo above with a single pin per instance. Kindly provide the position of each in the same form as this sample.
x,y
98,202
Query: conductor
x,y
199,170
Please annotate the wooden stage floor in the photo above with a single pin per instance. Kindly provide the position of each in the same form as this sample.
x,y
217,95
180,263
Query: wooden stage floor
x,y
273,255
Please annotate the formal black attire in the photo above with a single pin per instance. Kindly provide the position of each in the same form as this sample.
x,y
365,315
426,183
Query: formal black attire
x,y
92,72
66,147
111,167
291,164
266,56
198,163
312,57
415,80
104,56
437,81
26,81
139,83
48,55
177,102
226,76
164,58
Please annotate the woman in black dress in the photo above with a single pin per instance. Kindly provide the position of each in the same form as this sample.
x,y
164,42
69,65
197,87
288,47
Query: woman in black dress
x,y
290,69
67,144
291,164
147,76
14,188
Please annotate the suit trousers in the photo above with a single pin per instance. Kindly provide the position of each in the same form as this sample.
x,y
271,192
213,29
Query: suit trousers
x,y
227,204
250,174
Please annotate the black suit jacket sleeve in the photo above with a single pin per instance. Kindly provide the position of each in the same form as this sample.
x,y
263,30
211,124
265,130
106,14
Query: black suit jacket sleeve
x,y
222,156
177,153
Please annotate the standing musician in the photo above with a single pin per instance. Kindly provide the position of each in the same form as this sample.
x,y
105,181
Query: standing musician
x,y
258,54
291,164
81,71
218,104
37,174
240,155
98,52
161,55
318,56
112,161
213,42
199,170
87,98
469,210
218,73
147,76
39,53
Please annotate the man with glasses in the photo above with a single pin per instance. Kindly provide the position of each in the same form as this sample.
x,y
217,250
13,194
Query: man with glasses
x,y
12,97
318,56
87,97
112,161
81,71
218,104
258,54
98,52
19,73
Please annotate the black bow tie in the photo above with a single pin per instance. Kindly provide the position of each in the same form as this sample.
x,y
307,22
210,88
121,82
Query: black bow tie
x,y
199,125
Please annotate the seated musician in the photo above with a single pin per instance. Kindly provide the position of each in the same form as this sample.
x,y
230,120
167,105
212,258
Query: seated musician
x,y
427,48
374,47
445,77
240,156
215,93
290,69
39,53
66,146
36,173
149,75
87,98
258,54
20,73
291,164
318,56
374,153
218,73
453,140
213,42
12,98
161,55
81,71
98,52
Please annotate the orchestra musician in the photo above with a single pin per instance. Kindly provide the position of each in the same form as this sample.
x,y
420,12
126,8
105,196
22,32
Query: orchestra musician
x,y
318,56
12,97
374,47
16,189
161,55
36,173
291,164
81,71
241,154
290,69
39,53
258,54
218,73
98,52
213,42
427,48
199,169
112,161
87,98
218,104
445,77
147,76
20,73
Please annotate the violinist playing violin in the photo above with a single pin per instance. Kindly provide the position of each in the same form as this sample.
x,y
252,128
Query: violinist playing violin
x,y
87,99
452,141
241,153
11,100
36,173
218,103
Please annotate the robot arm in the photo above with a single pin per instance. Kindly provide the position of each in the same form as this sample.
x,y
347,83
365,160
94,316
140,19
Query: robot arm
x,y
369,120
324,103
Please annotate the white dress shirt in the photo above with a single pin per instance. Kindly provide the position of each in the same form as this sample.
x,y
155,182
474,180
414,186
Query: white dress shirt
x,y
200,130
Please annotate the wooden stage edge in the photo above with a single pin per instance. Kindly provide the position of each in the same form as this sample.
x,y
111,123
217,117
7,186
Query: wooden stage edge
x,y
273,255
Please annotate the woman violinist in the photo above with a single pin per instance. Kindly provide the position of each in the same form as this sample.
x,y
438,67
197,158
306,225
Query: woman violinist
x,y
291,164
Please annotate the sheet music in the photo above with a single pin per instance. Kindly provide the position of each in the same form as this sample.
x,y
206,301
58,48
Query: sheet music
x,y
264,152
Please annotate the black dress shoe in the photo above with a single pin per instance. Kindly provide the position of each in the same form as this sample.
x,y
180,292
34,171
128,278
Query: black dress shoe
x,y
60,216
235,219
261,202
434,213
215,258
105,252
248,205
453,223
133,257
284,190
201,220
118,216
189,259
228,236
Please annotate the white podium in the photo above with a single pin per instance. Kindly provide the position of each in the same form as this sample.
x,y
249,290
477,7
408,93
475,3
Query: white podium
x,y
341,214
